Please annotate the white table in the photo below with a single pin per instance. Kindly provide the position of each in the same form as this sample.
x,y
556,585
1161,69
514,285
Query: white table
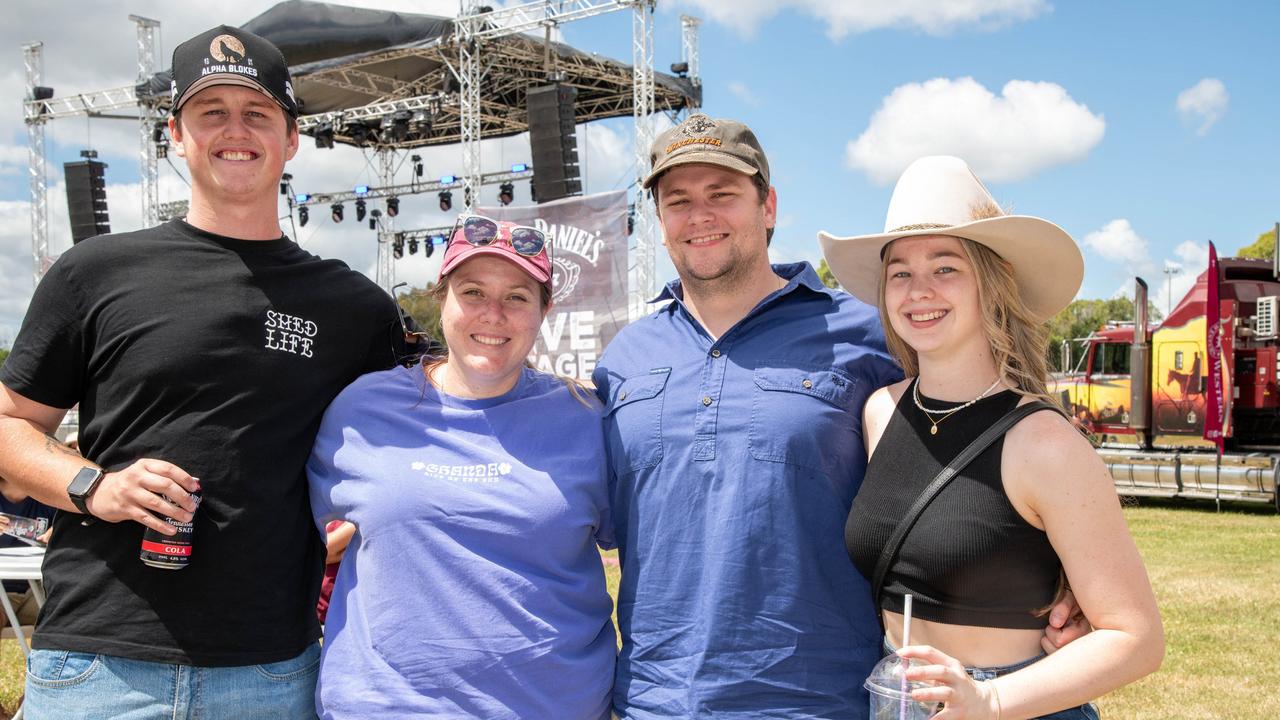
x,y
21,563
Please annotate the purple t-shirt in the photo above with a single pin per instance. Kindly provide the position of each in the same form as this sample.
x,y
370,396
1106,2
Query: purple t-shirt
x,y
473,586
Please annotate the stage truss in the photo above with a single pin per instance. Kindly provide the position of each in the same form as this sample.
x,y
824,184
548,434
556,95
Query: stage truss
x,y
468,85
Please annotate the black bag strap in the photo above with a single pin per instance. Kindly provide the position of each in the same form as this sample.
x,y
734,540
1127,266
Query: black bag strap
x,y
966,456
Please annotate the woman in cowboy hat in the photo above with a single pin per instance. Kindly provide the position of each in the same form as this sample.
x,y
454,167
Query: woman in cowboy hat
x,y
473,587
964,291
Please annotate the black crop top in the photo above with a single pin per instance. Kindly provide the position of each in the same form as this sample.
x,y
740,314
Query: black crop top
x,y
971,559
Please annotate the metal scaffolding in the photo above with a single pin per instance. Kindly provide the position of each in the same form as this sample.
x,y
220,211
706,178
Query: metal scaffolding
x,y
441,104
646,223
386,224
148,117
33,58
689,47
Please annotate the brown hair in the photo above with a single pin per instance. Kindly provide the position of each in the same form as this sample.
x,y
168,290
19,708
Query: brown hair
x,y
440,290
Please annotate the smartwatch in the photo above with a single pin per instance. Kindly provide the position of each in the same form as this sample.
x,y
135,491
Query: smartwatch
x,y
82,487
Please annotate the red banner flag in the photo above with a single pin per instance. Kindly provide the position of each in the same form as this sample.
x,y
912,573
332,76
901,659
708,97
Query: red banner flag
x,y
1215,403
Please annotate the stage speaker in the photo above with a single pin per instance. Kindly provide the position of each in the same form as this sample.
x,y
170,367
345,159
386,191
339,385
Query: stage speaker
x,y
553,141
87,198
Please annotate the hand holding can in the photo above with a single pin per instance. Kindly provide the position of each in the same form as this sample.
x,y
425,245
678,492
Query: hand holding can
x,y
170,552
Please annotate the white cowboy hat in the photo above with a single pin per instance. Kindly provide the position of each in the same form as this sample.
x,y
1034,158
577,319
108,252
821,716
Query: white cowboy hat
x,y
938,195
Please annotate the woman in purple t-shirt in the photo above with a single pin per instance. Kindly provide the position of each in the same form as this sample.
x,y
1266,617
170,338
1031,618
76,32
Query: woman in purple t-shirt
x,y
473,586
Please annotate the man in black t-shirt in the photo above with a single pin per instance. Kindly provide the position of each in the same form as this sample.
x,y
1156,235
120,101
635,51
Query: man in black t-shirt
x,y
202,354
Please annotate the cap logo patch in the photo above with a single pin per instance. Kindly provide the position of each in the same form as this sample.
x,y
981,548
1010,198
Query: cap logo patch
x,y
714,142
227,49
697,125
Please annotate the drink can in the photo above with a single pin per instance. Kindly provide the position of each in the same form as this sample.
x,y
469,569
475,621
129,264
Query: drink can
x,y
169,552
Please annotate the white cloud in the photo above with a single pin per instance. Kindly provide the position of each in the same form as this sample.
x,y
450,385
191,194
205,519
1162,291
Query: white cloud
x,y
1203,103
1118,242
845,17
1168,280
1030,126
743,93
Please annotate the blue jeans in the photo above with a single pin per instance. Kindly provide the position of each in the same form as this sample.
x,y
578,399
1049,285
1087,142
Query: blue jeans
x,y
1088,711
63,684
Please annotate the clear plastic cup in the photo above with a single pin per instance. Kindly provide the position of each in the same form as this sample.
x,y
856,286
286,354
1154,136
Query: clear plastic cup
x,y
891,692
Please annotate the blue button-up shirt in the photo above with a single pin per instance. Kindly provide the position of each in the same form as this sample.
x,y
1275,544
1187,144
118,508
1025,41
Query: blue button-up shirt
x,y
734,463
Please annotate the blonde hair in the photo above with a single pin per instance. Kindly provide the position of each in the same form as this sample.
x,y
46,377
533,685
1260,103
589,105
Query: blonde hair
x,y
1019,343
578,389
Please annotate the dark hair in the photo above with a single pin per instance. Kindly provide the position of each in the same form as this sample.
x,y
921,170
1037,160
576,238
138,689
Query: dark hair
x,y
762,190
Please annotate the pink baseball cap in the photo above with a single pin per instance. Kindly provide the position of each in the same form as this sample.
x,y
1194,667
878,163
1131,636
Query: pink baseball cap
x,y
524,246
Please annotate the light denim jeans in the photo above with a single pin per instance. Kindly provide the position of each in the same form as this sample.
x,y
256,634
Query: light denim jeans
x,y
1088,711
62,684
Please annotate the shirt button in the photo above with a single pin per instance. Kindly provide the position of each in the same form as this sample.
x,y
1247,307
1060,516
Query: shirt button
x,y
706,400
808,384
715,353
622,395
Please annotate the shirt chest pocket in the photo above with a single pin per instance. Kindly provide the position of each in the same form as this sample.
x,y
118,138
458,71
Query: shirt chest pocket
x,y
634,422
804,417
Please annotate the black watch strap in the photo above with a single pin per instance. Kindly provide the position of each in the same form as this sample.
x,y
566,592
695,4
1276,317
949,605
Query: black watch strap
x,y
82,487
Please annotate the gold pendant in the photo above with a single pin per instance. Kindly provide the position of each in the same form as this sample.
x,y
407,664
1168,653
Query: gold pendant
x,y
933,430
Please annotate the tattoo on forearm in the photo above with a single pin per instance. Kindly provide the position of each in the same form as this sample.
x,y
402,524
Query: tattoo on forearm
x,y
51,444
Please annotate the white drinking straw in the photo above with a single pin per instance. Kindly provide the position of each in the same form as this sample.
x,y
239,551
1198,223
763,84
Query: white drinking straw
x,y
906,640
906,620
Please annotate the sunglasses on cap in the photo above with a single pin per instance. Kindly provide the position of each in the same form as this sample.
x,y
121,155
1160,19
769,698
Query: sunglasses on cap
x,y
479,231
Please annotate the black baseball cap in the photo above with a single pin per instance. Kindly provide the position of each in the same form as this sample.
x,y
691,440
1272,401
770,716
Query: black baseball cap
x,y
228,55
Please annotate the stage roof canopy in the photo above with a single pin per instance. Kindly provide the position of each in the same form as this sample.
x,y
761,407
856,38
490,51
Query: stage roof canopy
x,y
354,68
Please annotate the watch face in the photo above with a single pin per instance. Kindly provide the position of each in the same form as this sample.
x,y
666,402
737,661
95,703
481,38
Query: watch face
x,y
84,481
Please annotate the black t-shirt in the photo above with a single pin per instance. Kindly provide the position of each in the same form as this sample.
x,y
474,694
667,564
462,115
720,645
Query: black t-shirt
x,y
220,356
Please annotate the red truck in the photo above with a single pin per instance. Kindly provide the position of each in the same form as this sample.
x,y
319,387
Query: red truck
x,y
1144,392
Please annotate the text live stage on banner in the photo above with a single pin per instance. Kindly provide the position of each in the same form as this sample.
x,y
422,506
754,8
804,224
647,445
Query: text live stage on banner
x,y
588,237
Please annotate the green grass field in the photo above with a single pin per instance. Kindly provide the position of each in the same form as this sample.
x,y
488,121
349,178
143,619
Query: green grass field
x,y
1216,576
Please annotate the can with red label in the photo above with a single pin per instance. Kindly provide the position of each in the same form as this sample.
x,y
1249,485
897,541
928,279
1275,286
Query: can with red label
x,y
169,552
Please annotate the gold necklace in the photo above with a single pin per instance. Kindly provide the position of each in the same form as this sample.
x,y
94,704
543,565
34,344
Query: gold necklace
x,y
915,395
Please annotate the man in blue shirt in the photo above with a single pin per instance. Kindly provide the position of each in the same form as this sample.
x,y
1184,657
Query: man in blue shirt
x,y
734,436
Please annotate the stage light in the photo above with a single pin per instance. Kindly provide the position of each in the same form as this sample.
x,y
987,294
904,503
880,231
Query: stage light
x,y
362,189
680,68
519,167
429,246
303,216
374,216
417,165
448,179
397,246
506,193
285,179
393,206
324,135
41,92
301,197
360,134
446,201
336,212
396,126
360,208
413,246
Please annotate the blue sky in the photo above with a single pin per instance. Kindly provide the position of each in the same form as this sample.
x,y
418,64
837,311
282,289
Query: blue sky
x,y
1068,110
